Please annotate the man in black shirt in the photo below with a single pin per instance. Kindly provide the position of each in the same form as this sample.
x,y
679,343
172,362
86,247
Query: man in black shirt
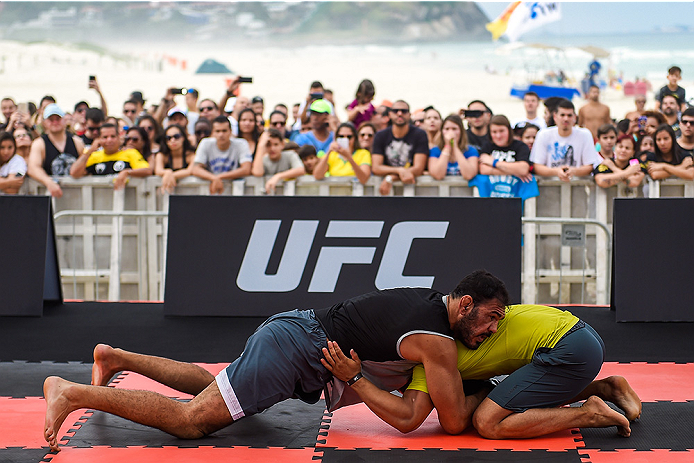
x,y
283,359
400,151
478,116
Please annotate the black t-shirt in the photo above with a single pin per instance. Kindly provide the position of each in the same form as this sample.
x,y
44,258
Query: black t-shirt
x,y
516,151
476,140
676,159
665,90
55,162
686,152
373,324
399,152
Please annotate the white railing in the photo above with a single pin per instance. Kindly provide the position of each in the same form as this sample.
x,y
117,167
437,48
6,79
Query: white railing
x,y
89,258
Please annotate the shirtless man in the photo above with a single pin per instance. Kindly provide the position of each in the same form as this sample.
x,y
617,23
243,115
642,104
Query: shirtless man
x,y
640,102
393,330
552,358
593,114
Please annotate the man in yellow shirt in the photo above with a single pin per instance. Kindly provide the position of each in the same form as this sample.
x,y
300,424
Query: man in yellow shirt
x,y
552,358
105,157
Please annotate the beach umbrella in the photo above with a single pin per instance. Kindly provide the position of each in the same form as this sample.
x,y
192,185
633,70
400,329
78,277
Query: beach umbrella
x,y
210,66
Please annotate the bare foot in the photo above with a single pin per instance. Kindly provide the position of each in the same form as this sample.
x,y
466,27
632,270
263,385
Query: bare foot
x,y
603,416
105,365
622,395
58,407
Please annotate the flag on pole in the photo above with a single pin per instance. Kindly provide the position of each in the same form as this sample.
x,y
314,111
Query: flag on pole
x,y
521,17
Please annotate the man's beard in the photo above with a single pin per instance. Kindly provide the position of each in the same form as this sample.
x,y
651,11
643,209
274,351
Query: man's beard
x,y
464,329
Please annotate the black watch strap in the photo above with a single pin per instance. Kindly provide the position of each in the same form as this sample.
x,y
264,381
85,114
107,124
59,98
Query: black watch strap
x,y
356,378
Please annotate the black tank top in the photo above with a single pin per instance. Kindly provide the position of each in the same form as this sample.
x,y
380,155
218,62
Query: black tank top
x,y
57,163
169,163
374,324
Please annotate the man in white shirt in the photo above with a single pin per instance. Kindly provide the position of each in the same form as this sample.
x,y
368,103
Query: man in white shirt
x,y
221,157
564,151
531,101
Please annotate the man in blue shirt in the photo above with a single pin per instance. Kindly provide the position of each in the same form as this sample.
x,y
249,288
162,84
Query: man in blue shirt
x,y
320,135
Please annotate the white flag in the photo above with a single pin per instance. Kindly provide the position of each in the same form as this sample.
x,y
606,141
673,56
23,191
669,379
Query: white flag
x,y
531,15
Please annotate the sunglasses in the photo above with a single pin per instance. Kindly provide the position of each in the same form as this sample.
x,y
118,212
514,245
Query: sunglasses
x,y
277,124
175,136
401,111
92,129
366,135
206,108
133,139
687,122
474,113
128,111
348,137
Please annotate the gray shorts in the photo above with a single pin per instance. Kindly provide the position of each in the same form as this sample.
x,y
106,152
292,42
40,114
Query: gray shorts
x,y
555,375
281,360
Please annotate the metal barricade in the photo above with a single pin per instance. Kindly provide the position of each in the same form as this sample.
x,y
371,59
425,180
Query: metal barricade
x,y
150,269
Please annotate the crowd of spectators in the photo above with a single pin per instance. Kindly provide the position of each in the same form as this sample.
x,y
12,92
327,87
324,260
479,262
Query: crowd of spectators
x,y
183,135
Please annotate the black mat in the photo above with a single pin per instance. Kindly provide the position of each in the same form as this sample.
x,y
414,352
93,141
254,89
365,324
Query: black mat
x,y
290,424
22,455
457,456
663,425
25,379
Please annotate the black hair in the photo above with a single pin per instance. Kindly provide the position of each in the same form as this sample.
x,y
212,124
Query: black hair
x,y
221,120
482,286
8,136
675,150
146,145
95,115
187,146
277,112
674,69
255,133
483,104
274,133
606,128
306,151
563,103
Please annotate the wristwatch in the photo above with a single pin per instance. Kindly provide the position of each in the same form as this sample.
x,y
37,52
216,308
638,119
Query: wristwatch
x,y
356,378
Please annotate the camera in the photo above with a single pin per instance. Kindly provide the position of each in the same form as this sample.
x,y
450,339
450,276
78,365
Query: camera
x,y
316,96
179,91
245,80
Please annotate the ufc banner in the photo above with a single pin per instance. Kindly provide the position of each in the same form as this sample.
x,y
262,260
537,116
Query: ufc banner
x,y
257,256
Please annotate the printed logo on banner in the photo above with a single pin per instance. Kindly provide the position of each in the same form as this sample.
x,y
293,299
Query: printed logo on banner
x,y
253,277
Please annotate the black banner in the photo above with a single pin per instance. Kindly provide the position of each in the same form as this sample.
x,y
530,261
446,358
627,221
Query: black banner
x,y
263,255
29,272
653,259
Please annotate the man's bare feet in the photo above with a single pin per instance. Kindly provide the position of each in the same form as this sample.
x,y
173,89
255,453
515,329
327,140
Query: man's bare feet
x,y
603,416
622,395
58,407
105,364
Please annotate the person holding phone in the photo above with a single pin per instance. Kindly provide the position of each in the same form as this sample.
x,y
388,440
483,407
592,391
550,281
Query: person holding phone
x,y
315,92
346,158
13,168
624,166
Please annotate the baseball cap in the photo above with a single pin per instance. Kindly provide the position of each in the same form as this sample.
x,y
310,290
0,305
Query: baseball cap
x,y
321,106
257,99
137,96
53,110
177,109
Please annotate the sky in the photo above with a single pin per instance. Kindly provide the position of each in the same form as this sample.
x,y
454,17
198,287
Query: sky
x,y
606,18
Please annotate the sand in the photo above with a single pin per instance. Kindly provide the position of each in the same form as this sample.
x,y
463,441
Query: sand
x,y
280,75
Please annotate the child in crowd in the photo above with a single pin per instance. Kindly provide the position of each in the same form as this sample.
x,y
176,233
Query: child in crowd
x,y
645,145
528,135
607,137
13,168
307,154
273,160
624,166
674,75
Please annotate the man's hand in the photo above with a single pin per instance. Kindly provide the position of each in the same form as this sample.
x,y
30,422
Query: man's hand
x,y
121,179
341,366
564,173
216,186
386,185
272,183
54,189
406,176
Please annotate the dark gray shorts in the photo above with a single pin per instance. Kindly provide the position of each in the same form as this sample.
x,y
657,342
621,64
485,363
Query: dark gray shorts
x,y
555,375
281,360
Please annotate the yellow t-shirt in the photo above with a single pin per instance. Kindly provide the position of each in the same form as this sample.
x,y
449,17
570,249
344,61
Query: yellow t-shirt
x,y
100,163
338,167
523,330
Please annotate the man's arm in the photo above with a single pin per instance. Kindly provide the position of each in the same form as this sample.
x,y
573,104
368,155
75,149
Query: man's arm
x,y
404,413
35,170
439,357
243,171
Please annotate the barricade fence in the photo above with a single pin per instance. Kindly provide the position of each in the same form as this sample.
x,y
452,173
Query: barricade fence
x,y
105,235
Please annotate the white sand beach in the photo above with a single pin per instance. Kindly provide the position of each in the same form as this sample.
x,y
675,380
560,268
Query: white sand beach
x,y
419,74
